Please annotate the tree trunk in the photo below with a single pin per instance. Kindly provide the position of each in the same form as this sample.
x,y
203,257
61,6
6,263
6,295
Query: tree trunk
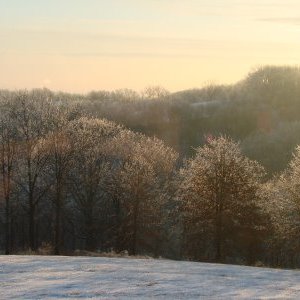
x,y
58,213
90,237
7,227
218,237
90,230
32,240
57,238
135,227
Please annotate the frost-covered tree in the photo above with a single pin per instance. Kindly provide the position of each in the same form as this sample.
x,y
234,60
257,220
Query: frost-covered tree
x,y
145,167
59,164
60,153
218,196
282,203
90,168
33,115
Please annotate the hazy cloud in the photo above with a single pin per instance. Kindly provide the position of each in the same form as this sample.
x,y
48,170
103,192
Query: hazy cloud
x,y
289,20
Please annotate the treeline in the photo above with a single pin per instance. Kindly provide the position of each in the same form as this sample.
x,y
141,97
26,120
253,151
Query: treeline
x,y
262,111
78,182
72,180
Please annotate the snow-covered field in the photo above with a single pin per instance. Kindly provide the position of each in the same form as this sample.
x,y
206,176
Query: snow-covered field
x,y
42,277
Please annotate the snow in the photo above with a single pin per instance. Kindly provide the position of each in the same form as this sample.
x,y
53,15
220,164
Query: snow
x,y
48,277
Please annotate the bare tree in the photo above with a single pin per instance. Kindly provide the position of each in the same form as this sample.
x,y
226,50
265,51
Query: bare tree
x,y
155,92
8,151
33,117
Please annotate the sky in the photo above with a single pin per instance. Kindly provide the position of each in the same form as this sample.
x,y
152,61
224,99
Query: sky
x,y
84,45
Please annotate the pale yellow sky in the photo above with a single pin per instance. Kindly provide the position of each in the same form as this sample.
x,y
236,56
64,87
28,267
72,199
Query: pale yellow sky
x,y
78,46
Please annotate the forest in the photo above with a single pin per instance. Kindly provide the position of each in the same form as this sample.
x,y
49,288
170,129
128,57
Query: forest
x,y
209,174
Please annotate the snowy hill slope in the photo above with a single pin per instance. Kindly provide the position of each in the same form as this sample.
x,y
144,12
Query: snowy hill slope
x,y
42,277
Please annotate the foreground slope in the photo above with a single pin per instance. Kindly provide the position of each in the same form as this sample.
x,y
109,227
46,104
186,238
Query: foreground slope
x,y
36,277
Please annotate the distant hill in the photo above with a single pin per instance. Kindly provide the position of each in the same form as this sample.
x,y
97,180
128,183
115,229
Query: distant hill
x,y
262,111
